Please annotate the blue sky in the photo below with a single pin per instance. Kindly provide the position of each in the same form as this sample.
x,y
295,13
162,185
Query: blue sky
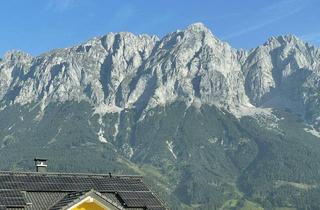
x,y
36,26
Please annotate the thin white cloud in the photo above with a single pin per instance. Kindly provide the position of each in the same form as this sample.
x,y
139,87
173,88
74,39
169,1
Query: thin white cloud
x,y
282,6
59,5
271,14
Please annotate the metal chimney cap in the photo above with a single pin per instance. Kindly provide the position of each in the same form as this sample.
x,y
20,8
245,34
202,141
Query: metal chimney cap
x,y
40,159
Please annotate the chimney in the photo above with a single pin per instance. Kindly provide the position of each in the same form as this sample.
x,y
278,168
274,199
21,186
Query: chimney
x,y
41,165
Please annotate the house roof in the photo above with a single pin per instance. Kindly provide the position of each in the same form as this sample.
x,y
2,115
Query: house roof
x,y
30,190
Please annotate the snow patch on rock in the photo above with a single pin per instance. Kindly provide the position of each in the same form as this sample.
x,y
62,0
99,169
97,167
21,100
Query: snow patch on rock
x,y
116,128
313,131
170,148
101,136
11,126
101,130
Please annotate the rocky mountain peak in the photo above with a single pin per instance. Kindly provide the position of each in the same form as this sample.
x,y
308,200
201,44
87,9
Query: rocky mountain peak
x,y
283,40
198,27
123,70
17,56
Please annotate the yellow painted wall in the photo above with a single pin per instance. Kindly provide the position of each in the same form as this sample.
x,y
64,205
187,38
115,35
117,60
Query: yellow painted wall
x,y
89,206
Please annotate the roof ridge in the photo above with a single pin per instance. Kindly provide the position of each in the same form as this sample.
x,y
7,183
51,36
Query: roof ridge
x,y
68,174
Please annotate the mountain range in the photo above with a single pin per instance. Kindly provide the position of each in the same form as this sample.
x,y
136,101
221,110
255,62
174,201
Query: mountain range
x,y
208,126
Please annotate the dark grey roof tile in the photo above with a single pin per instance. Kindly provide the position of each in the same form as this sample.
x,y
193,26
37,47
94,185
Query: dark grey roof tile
x,y
67,199
43,200
12,198
139,199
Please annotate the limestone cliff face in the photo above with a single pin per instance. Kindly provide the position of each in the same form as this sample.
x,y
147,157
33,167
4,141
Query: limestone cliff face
x,y
91,71
122,70
285,73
